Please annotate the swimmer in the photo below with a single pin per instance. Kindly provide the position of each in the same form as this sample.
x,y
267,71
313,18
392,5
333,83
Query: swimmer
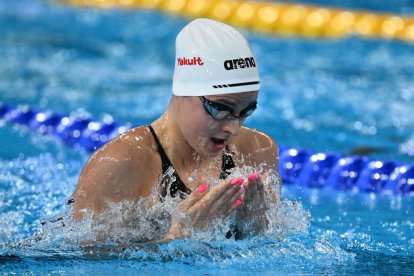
x,y
215,88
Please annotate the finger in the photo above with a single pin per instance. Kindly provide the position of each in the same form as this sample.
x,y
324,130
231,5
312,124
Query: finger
x,y
254,179
260,187
248,193
256,200
232,194
237,202
223,189
232,208
258,182
263,190
194,197
254,193
239,196
223,203
251,191
233,202
206,208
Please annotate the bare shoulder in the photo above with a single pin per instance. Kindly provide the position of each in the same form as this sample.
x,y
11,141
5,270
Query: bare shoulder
x,y
253,140
125,168
257,147
128,147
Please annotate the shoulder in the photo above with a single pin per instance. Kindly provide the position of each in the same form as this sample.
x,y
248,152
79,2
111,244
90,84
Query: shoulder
x,y
126,148
251,139
256,147
125,168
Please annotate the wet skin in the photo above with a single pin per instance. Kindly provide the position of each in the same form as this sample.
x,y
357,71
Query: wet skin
x,y
128,167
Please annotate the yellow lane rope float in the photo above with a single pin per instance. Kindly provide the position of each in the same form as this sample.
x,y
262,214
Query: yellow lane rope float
x,y
277,18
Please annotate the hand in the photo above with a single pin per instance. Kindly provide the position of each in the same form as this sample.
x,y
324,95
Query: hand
x,y
203,206
251,216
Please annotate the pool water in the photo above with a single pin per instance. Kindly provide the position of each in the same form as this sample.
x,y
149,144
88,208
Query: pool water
x,y
346,96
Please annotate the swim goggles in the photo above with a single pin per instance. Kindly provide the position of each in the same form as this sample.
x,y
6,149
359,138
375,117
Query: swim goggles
x,y
221,111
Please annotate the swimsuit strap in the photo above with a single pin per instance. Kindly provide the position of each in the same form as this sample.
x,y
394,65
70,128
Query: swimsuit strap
x,y
227,163
174,180
165,161
171,179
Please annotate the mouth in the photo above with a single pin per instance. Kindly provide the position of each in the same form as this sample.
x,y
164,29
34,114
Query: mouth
x,y
218,141
218,144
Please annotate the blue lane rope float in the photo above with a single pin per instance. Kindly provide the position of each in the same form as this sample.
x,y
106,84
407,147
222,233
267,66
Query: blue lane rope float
x,y
297,166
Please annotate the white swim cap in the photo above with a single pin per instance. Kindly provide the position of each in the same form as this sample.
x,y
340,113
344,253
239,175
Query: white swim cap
x,y
213,58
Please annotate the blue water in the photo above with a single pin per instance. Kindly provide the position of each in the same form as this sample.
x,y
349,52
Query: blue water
x,y
343,96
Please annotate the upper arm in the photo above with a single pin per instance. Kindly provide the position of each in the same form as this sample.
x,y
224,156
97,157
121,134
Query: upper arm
x,y
113,173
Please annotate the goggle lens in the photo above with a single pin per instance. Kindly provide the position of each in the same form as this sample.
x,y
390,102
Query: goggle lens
x,y
220,111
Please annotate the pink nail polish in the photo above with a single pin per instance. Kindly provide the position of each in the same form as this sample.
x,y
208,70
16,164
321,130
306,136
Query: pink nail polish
x,y
241,180
253,177
238,203
202,188
234,181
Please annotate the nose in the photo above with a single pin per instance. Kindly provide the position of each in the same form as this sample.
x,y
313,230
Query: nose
x,y
232,126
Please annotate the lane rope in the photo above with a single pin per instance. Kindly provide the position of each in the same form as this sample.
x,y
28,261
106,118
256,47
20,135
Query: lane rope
x,y
277,18
297,166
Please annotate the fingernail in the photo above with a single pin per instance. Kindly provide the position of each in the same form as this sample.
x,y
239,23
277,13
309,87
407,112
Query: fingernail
x,y
253,177
237,203
234,181
241,180
202,188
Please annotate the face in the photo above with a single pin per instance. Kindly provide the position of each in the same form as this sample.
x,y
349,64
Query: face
x,y
208,123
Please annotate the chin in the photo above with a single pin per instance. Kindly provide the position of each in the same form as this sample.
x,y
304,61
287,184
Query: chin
x,y
214,154
209,152
209,149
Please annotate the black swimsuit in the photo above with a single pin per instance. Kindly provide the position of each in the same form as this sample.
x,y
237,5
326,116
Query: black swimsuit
x,y
172,179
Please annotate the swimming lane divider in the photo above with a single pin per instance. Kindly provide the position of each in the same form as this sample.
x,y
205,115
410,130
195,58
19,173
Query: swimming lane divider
x,y
306,168
277,17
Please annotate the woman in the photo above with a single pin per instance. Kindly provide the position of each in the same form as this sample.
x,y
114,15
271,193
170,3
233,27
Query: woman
x,y
197,142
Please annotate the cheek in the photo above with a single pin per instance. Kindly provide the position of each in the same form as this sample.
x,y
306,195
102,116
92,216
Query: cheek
x,y
198,128
199,125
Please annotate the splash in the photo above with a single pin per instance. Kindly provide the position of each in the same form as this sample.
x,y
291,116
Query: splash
x,y
128,230
32,187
